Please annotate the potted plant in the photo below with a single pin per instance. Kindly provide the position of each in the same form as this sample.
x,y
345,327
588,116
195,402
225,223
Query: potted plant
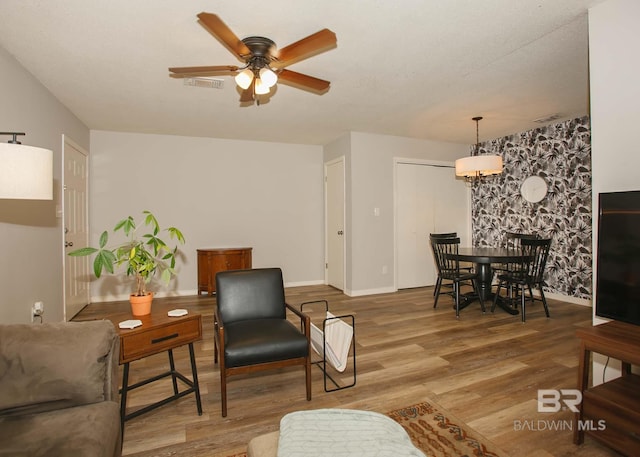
x,y
142,256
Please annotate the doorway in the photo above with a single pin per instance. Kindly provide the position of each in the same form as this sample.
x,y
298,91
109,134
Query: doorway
x,y
76,227
334,225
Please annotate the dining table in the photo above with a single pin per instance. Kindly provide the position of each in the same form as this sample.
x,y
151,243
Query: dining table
x,y
484,258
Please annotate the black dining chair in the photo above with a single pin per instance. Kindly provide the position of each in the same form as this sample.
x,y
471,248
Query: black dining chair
x,y
512,241
529,273
445,253
463,266
439,236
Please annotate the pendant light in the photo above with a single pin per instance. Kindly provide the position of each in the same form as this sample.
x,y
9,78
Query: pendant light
x,y
476,166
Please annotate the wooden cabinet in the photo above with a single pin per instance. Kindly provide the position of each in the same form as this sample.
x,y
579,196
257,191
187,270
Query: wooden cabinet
x,y
211,261
610,412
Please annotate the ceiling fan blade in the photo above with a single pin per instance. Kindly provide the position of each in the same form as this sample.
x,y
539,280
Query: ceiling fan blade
x,y
305,82
192,72
313,44
223,33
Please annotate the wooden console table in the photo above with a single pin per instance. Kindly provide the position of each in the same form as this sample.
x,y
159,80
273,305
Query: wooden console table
x,y
614,405
211,261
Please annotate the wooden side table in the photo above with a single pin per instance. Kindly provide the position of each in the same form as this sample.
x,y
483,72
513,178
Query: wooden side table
x,y
213,260
612,409
158,333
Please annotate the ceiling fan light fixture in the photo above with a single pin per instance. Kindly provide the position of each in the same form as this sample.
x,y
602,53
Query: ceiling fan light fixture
x,y
261,88
244,78
259,53
268,77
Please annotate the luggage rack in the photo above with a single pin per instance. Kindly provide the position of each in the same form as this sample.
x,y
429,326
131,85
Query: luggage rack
x,y
321,346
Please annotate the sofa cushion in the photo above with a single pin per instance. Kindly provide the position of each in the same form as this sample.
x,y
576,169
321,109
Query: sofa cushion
x,y
52,366
89,430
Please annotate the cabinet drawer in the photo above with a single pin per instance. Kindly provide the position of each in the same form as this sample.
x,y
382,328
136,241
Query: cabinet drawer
x,y
158,339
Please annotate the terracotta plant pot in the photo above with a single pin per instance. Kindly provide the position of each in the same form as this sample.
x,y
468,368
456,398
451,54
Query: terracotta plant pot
x,y
141,305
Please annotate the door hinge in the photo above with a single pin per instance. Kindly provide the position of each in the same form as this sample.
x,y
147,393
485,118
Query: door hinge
x,y
326,266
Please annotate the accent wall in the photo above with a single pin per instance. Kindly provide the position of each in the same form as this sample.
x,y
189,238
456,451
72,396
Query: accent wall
x,y
561,155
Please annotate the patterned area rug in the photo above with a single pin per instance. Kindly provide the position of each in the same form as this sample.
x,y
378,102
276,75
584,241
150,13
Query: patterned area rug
x,y
439,434
436,432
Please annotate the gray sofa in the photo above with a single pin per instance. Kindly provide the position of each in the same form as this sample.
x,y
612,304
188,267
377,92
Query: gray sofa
x,y
59,390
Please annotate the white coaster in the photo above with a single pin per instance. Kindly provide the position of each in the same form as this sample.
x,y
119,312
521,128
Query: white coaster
x,y
132,323
177,312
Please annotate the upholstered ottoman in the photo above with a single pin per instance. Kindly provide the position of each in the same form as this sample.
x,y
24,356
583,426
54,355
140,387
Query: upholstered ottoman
x,y
335,433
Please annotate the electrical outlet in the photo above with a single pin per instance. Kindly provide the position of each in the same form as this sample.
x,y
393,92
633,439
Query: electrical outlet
x,y
37,311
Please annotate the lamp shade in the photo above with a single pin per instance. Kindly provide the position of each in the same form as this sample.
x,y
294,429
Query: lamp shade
x,y
244,78
481,165
260,87
26,172
268,77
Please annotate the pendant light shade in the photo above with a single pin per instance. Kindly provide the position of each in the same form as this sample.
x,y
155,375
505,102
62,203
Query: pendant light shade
x,y
476,166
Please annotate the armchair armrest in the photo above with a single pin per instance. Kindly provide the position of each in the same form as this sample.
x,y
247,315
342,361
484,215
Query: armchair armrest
x,y
218,336
305,321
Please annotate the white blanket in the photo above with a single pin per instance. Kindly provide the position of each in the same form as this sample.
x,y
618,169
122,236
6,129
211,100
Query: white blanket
x,y
343,432
338,335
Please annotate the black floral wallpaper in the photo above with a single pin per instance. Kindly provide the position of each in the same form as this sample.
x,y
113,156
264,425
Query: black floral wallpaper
x,y
561,154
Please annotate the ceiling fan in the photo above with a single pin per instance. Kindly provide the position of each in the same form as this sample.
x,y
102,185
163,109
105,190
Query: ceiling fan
x,y
264,64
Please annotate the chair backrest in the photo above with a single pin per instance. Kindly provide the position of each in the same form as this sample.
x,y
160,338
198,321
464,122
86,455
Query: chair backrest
x,y
512,239
537,252
443,235
444,252
438,236
250,294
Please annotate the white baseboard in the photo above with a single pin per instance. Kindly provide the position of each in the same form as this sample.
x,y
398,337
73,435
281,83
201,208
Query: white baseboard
x,y
121,297
574,300
305,283
360,293
350,293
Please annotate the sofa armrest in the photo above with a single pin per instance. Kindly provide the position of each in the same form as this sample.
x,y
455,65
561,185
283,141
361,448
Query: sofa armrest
x,y
50,366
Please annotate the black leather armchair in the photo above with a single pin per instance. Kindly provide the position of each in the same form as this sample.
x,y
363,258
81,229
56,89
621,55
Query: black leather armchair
x,y
251,330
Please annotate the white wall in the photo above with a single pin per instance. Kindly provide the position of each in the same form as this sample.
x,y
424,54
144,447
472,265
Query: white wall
x,y
371,180
614,36
220,193
30,231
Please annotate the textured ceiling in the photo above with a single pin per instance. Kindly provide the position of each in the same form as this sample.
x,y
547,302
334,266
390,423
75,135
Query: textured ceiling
x,y
414,68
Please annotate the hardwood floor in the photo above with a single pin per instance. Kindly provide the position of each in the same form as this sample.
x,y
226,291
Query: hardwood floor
x,y
483,369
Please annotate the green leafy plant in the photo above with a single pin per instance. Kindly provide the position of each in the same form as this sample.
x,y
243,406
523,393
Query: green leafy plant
x,y
142,255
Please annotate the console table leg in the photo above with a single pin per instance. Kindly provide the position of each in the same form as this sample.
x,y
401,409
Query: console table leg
x,y
172,366
123,397
583,384
196,385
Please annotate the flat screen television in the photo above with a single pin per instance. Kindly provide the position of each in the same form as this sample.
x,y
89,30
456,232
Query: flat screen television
x,y
618,257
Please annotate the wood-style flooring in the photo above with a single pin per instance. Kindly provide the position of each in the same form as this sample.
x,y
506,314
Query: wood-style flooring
x,y
483,369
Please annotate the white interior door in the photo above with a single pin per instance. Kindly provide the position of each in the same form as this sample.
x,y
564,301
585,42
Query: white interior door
x,y
335,232
76,230
428,200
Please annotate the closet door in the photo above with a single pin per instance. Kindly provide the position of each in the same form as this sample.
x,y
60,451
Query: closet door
x,y
428,200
